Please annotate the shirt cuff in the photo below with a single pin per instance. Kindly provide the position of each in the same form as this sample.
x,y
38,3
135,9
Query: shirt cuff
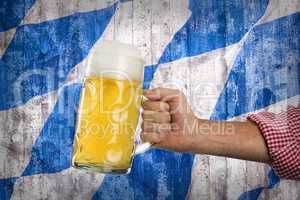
x,y
280,137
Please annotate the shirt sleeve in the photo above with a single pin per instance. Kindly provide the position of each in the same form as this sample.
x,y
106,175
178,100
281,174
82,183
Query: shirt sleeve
x,y
282,136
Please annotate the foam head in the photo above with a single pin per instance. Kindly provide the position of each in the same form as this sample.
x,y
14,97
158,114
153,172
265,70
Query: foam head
x,y
115,60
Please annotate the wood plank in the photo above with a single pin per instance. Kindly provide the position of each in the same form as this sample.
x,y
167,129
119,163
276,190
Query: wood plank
x,y
142,27
123,23
236,178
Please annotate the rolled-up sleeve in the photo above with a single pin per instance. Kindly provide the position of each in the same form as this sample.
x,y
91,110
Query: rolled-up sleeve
x,y
282,136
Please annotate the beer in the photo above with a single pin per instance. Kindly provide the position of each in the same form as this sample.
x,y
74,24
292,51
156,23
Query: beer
x,y
107,122
108,111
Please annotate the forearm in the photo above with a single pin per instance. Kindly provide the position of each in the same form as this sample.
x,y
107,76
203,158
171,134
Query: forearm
x,y
241,140
169,123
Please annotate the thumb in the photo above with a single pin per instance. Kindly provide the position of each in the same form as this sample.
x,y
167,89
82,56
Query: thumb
x,y
162,94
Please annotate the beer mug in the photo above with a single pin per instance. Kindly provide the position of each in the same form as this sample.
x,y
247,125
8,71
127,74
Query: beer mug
x,y
109,109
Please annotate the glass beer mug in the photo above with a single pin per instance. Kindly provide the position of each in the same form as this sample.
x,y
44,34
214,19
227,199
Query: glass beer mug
x,y
109,109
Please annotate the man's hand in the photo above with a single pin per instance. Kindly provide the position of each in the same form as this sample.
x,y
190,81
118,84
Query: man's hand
x,y
168,120
169,123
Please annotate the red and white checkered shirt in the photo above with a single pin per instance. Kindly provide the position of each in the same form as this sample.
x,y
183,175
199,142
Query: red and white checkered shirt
x,y
282,135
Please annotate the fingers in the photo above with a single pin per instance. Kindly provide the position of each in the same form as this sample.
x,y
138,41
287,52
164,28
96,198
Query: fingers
x,y
169,141
153,138
156,127
164,94
156,117
156,106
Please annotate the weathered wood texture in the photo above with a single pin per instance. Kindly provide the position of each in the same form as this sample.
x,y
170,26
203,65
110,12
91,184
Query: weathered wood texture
x,y
149,25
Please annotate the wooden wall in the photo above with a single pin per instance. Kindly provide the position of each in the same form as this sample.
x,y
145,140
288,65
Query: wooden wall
x,y
149,25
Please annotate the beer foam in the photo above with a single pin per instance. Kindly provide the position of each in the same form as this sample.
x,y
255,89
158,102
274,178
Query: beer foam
x,y
115,60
